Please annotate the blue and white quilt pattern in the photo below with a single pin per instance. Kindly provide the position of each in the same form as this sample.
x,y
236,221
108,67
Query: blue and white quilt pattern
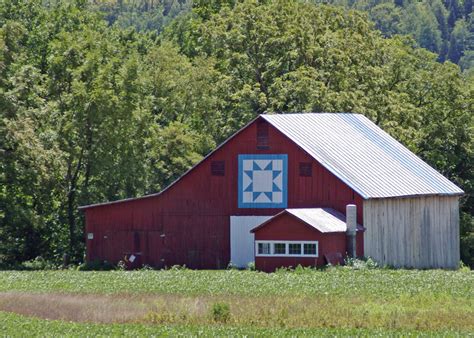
x,y
263,181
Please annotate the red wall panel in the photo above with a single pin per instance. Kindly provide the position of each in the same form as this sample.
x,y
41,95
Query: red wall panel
x,y
194,212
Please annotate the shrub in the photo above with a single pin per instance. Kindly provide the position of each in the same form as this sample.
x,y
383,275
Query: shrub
x,y
303,269
251,266
178,267
121,265
96,265
284,269
231,266
464,267
361,264
39,263
146,267
220,312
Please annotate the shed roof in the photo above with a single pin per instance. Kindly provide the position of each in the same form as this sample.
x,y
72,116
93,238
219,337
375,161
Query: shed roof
x,y
362,155
322,219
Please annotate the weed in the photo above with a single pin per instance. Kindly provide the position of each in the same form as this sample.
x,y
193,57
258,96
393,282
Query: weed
x,y
121,266
220,312
232,266
463,267
39,263
361,264
96,265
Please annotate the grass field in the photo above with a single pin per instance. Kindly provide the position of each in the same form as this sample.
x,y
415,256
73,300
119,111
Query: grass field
x,y
172,302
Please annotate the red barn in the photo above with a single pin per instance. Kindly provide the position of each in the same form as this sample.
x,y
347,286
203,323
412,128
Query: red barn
x,y
278,162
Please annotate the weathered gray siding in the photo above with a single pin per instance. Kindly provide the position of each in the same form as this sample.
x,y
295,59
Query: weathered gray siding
x,y
415,232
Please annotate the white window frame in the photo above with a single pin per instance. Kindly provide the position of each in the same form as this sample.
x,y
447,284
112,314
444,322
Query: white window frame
x,y
272,249
269,247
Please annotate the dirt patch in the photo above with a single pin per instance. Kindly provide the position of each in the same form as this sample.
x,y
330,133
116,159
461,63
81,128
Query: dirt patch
x,y
78,308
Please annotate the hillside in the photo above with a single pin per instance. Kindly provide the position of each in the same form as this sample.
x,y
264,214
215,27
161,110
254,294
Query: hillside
x,y
445,27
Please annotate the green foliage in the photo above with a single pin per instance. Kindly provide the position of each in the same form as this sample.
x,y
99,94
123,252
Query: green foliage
x,y
220,312
361,264
467,239
431,23
143,15
178,267
96,265
232,266
39,263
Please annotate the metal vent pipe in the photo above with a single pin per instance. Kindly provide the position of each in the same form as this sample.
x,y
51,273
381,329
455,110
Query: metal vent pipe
x,y
351,223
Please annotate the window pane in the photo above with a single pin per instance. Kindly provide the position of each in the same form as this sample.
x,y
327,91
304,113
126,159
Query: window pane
x,y
309,248
264,248
279,249
294,249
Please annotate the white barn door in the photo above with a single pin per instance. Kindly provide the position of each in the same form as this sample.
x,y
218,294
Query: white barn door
x,y
241,239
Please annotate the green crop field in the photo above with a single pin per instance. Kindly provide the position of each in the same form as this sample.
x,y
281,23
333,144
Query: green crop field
x,y
171,302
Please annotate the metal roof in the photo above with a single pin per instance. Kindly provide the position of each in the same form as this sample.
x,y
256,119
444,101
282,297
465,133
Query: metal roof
x,y
322,219
362,155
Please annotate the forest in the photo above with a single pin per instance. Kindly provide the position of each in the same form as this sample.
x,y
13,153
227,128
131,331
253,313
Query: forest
x,y
103,100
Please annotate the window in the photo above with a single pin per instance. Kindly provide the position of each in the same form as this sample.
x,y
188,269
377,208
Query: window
x,y
263,248
262,135
306,169
279,249
294,248
286,248
309,249
217,168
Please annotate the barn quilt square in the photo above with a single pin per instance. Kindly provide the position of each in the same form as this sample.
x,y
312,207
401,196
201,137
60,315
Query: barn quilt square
x,y
263,181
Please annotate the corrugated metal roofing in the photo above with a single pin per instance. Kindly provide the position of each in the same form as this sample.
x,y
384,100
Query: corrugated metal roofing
x,y
323,219
362,155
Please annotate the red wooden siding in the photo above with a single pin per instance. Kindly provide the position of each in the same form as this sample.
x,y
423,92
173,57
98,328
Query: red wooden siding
x,y
193,214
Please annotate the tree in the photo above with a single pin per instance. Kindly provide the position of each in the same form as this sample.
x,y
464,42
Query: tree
x,y
454,13
458,42
386,17
468,4
421,23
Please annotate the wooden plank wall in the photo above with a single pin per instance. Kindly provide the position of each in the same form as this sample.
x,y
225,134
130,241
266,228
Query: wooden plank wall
x,y
415,232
